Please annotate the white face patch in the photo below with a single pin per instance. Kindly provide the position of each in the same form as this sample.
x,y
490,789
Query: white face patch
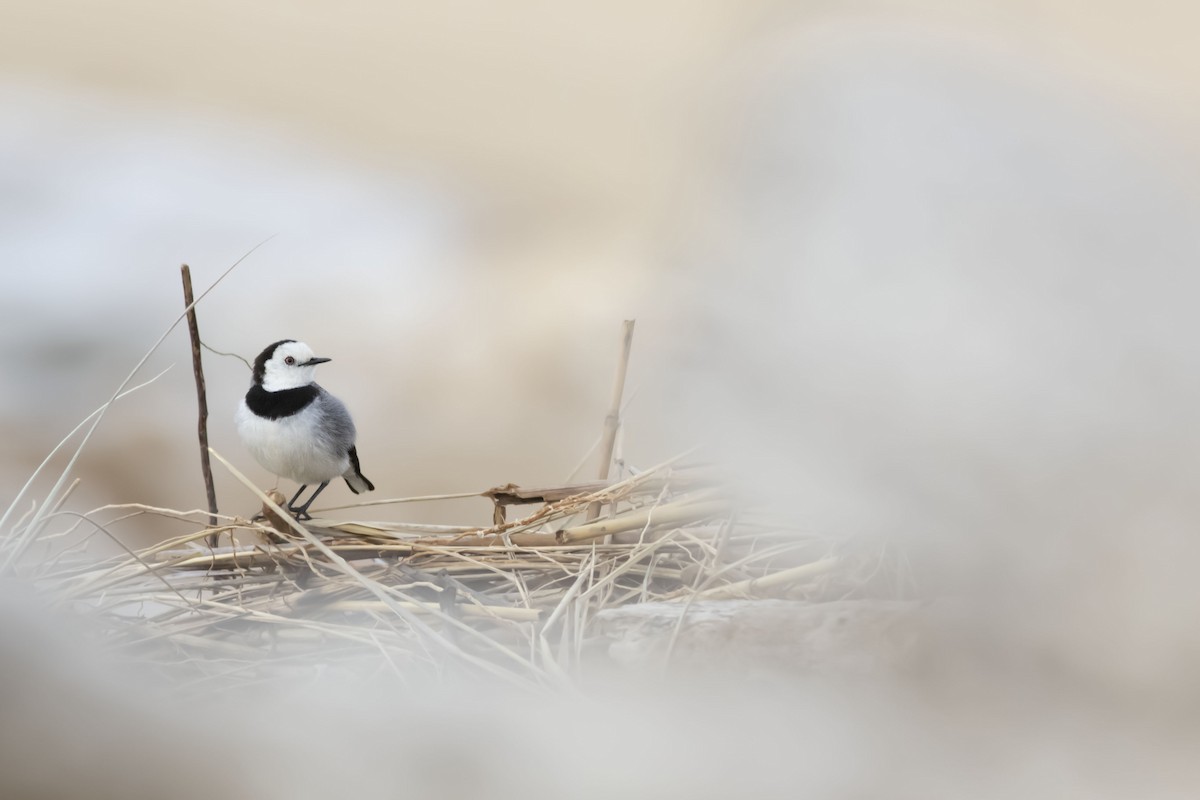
x,y
286,370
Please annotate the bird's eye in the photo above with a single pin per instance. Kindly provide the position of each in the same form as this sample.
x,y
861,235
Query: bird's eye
x,y
289,361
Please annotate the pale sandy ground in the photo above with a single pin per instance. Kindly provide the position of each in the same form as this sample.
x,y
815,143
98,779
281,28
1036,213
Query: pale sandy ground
x,y
924,271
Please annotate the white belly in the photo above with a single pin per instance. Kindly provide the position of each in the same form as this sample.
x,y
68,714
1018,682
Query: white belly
x,y
287,447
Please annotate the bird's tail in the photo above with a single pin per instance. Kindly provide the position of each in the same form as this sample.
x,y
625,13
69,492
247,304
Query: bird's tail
x,y
357,482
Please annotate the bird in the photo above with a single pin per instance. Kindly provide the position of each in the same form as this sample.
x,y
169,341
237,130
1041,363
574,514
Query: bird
x,y
296,429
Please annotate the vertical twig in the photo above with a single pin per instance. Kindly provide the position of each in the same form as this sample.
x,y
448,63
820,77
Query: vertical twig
x,y
612,422
202,399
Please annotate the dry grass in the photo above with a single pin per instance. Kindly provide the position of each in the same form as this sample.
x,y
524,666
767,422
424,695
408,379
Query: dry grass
x,y
515,600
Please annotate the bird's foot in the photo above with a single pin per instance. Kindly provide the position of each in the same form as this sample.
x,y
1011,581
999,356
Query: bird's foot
x,y
301,514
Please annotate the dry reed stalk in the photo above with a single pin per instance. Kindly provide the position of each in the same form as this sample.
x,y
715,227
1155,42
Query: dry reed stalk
x,y
679,513
612,422
748,587
189,303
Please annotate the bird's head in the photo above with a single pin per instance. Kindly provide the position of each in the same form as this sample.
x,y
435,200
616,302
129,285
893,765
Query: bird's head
x,y
286,364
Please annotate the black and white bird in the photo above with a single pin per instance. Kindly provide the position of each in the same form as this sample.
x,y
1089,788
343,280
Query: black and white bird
x,y
296,429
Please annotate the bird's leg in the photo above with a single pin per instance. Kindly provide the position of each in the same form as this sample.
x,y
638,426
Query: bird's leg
x,y
291,506
302,512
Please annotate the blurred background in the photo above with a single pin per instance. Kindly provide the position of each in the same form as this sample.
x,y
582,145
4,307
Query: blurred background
x,y
916,270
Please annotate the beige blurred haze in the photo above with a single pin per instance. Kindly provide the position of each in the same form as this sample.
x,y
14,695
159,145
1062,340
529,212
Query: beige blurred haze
x,y
918,272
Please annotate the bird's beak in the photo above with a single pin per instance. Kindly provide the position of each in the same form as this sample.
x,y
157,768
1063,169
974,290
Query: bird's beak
x,y
312,362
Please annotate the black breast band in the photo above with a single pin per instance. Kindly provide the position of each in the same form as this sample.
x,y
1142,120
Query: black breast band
x,y
284,403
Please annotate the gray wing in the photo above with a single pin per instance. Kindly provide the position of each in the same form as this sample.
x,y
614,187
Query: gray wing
x,y
337,428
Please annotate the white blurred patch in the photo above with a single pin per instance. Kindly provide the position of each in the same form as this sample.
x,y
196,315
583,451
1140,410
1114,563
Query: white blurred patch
x,y
948,300
103,199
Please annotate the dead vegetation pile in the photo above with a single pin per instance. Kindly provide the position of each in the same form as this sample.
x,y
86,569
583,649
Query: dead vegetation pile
x,y
517,599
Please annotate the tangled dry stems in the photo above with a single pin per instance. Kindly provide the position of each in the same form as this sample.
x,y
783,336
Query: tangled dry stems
x,y
515,600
